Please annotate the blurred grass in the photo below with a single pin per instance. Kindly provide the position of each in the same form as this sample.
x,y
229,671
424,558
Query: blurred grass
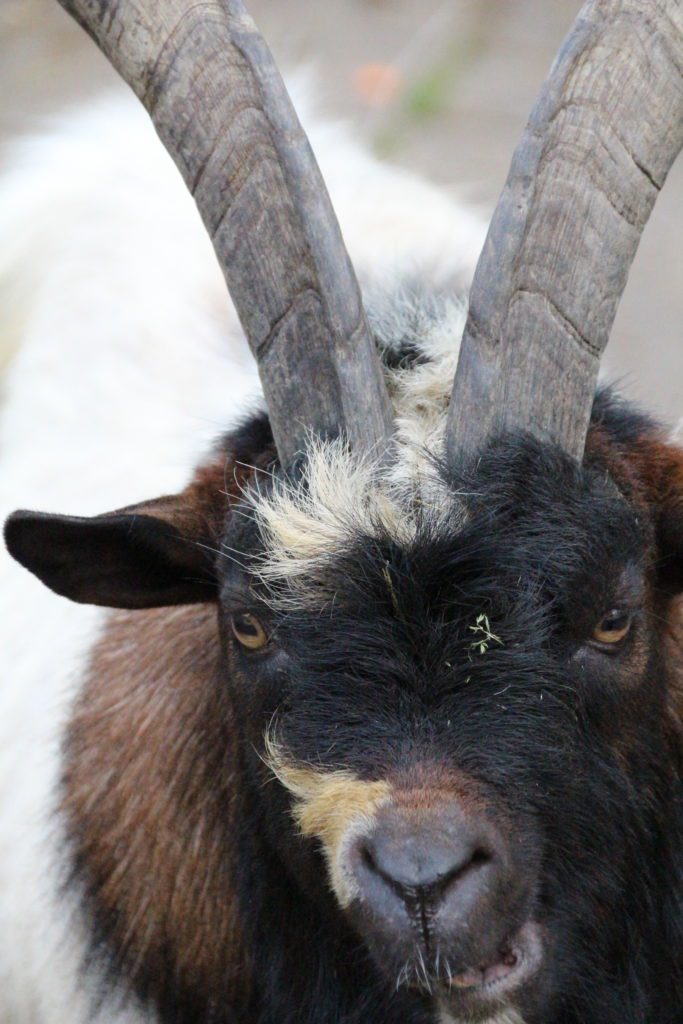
x,y
430,94
435,85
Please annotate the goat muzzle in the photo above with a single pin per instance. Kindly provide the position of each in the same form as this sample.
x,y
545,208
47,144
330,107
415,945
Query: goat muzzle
x,y
443,897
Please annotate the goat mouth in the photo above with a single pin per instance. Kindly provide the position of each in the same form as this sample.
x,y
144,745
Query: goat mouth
x,y
517,961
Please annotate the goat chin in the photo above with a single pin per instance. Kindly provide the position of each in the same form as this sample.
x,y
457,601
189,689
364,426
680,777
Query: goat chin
x,y
506,1018
123,357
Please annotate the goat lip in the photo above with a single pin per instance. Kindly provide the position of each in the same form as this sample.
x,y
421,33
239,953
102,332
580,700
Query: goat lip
x,y
519,959
509,960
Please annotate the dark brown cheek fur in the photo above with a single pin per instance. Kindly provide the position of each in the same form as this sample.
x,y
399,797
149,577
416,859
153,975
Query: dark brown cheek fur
x,y
149,798
649,472
673,642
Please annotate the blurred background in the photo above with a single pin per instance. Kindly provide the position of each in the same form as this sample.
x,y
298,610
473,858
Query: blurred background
x,y
441,86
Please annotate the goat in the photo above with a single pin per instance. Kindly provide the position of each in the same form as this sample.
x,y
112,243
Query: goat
x,y
378,733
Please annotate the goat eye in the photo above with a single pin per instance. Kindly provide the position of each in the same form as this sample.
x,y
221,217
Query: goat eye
x,y
248,631
613,627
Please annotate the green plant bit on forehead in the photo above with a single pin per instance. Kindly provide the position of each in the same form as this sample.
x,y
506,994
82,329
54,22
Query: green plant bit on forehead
x,y
482,627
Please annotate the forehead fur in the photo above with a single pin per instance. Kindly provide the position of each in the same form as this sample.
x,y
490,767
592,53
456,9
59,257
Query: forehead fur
x,y
337,498
531,515
340,500
339,495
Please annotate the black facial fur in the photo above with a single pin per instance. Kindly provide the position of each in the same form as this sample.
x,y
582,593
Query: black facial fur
x,y
566,739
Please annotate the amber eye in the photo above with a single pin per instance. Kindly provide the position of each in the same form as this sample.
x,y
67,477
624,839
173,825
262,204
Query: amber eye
x,y
248,631
613,627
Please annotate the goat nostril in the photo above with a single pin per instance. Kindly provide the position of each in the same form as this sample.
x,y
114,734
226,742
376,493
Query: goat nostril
x,y
509,958
479,858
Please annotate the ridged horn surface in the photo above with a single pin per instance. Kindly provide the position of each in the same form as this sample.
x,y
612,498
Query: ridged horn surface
x,y
218,103
605,130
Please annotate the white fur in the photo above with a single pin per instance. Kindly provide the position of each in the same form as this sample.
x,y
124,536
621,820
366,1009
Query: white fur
x,y
342,495
126,358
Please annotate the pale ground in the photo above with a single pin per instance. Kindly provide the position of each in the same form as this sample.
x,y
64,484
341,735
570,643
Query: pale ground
x,y
465,74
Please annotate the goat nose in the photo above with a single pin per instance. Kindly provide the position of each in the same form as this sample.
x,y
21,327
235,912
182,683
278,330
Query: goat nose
x,y
442,875
438,884
422,867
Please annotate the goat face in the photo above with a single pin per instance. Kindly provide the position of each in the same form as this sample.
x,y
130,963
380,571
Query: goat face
x,y
470,724
463,708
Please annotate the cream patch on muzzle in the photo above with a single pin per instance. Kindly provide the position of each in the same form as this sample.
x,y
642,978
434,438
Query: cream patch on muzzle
x,y
335,807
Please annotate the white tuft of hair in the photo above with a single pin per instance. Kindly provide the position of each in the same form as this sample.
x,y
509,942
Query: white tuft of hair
x,y
340,495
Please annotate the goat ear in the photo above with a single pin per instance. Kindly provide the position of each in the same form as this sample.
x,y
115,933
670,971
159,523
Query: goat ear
x,y
160,552
137,557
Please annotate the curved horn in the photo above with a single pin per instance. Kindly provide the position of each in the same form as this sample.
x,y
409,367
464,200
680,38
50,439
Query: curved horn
x,y
221,109
599,144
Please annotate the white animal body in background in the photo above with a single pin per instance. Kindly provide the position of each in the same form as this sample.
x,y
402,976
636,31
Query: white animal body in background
x,y
127,359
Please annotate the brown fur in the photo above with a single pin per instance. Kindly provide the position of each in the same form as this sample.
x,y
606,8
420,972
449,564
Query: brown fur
x,y
149,791
428,786
199,512
148,787
658,467
674,645
650,474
